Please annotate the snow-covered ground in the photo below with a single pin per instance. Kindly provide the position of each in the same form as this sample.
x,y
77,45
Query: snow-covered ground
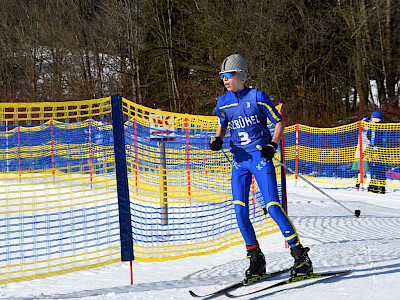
x,y
368,245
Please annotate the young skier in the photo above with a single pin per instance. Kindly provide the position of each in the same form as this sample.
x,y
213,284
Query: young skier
x,y
244,111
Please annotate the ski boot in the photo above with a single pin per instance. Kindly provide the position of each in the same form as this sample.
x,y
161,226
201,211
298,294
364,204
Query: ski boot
x,y
358,185
380,190
302,263
372,189
257,264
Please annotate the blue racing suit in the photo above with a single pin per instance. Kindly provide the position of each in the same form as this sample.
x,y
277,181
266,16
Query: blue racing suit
x,y
245,114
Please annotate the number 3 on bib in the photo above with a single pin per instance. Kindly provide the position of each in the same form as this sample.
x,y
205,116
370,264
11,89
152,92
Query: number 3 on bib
x,y
244,138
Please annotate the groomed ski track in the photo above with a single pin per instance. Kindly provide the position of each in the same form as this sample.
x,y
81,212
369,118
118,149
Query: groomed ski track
x,y
368,245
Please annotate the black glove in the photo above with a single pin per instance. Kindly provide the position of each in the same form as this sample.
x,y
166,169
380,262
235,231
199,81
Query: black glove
x,y
216,143
268,151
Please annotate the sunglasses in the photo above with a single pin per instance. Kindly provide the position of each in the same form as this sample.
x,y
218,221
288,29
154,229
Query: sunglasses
x,y
227,75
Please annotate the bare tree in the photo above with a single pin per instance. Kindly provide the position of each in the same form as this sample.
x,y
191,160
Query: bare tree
x,y
389,63
316,57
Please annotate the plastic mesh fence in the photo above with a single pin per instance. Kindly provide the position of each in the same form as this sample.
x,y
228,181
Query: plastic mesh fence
x,y
339,155
179,189
57,190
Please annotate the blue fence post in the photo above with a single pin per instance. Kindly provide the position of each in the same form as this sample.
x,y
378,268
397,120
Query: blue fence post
x,y
125,224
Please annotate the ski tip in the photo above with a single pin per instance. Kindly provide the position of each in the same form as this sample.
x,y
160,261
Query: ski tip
x,y
193,294
230,295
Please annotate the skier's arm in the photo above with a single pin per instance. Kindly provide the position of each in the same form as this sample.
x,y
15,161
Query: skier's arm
x,y
221,131
279,129
268,151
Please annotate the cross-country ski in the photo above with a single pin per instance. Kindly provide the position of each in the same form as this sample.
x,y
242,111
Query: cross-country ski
x,y
289,281
244,282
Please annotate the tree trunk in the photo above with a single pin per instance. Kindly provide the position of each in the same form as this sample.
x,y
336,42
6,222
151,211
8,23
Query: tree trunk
x,y
361,74
174,83
390,72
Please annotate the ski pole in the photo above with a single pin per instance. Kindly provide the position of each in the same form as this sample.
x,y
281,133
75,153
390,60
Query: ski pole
x,y
356,212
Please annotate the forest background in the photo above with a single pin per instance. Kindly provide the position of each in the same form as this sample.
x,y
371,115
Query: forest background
x,y
314,56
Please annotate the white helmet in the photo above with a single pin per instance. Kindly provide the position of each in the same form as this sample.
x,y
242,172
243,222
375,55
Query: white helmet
x,y
235,63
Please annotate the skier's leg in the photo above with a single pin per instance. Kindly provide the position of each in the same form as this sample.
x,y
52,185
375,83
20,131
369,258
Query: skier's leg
x,y
241,180
264,172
